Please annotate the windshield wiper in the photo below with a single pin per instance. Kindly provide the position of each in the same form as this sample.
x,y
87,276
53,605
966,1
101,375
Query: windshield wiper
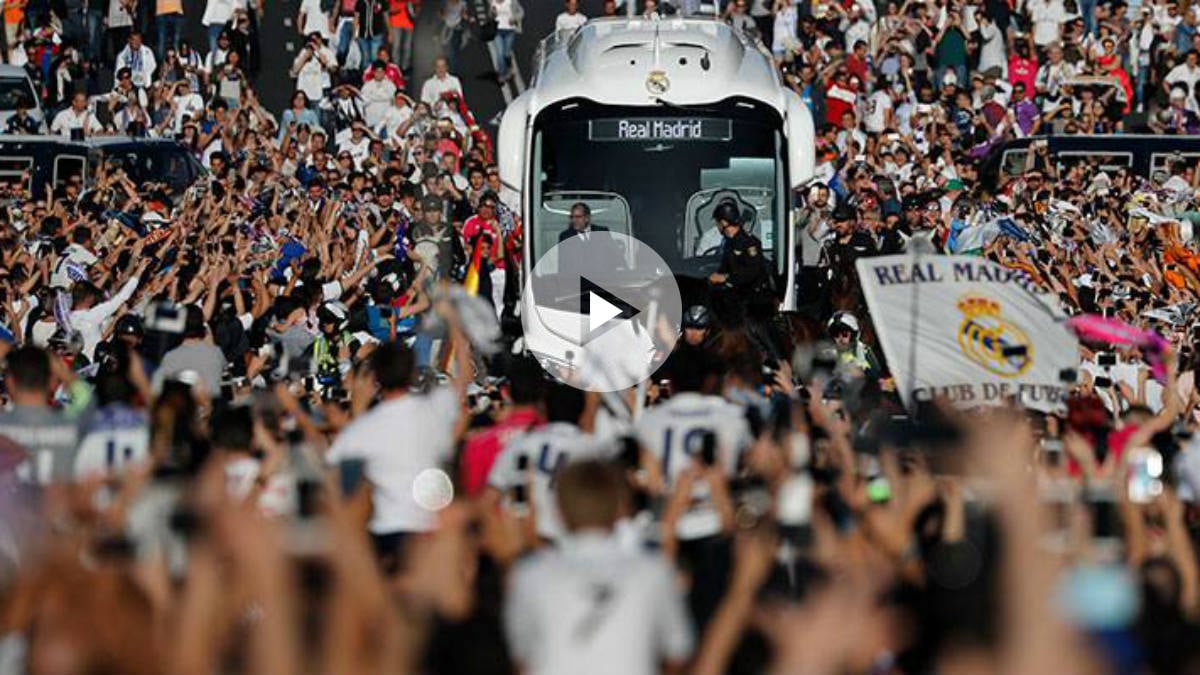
x,y
669,104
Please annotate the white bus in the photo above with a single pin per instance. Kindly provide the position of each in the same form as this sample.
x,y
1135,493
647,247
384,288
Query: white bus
x,y
653,122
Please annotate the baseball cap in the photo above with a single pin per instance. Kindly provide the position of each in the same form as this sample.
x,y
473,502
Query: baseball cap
x,y
130,324
431,203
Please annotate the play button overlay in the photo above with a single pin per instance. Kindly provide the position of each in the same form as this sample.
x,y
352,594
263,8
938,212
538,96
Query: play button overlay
x,y
601,311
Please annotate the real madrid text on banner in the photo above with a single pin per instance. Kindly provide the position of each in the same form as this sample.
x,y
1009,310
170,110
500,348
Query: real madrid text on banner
x,y
984,334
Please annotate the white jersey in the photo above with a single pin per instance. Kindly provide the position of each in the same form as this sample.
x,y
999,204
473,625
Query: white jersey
x,y
673,433
115,438
548,449
592,606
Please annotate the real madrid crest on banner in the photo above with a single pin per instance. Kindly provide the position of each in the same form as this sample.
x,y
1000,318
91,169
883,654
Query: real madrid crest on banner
x,y
968,331
988,338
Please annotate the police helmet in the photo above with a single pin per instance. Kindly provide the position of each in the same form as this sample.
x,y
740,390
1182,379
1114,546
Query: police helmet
x,y
332,313
697,316
843,320
728,211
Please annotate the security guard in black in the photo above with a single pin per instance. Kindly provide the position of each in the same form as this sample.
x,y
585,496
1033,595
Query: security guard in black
x,y
742,266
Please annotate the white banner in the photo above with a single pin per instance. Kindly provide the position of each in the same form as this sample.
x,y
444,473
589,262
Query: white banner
x,y
967,330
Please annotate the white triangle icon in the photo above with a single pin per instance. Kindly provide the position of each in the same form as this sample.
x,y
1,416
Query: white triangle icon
x,y
600,311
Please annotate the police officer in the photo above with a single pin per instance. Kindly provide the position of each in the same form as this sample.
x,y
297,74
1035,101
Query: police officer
x,y
852,352
742,280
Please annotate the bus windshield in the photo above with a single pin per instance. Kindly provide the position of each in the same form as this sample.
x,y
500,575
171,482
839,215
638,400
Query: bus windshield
x,y
657,174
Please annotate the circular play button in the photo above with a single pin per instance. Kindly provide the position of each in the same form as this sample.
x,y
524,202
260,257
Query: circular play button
x,y
601,311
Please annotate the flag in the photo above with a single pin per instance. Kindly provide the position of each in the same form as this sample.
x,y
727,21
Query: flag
x,y
972,239
967,330
471,280
1096,328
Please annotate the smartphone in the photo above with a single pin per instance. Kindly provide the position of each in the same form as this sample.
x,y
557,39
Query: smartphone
x,y
1106,359
308,493
520,496
630,456
1052,452
1145,475
708,448
351,472
1102,382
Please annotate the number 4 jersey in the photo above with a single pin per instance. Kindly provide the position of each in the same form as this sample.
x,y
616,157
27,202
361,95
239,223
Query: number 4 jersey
x,y
548,450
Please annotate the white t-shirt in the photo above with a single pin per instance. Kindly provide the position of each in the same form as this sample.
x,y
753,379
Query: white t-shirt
x,y
1189,77
68,120
503,10
315,21
548,449
114,440
569,22
394,118
73,253
91,322
673,433
219,12
877,106
594,607
784,37
377,96
358,149
435,86
399,439
1048,17
992,53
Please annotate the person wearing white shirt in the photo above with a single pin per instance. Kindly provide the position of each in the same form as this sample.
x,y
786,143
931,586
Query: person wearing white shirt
x,y
1047,17
440,82
673,433
217,13
1054,72
593,606
377,94
312,19
76,119
508,15
1186,75
992,51
89,316
216,58
186,102
78,254
878,115
404,440
395,120
139,59
570,20
546,450
356,141
313,66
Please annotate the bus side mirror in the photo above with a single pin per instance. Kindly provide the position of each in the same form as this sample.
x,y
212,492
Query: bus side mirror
x,y
801,140
511,143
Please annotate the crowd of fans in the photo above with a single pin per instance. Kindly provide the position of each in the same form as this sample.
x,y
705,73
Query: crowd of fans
x,y
266,424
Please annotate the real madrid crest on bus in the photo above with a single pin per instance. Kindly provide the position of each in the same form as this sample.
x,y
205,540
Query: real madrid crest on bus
x,y
657,82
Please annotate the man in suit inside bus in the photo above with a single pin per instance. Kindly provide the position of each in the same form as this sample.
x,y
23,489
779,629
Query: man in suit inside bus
x,y
581,223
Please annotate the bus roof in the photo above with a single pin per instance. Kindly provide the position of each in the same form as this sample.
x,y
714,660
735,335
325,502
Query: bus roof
x,y
622,61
